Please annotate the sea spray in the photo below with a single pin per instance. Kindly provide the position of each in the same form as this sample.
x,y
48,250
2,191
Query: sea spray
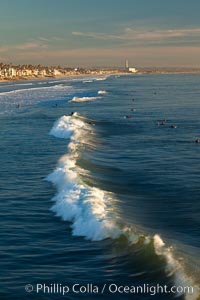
x,y
174,267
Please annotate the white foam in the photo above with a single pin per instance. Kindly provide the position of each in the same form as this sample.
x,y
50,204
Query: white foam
x,y
86,207
100,78
87,81
101,92
33,89
175,268
66,126
23,90
83,99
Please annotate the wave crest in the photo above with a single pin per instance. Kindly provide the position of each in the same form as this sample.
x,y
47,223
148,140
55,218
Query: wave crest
x,y
101,92
83,99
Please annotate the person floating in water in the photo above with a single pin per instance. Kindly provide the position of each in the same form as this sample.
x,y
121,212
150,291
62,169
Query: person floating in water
x,y
163,122
72,113
197,141
173,126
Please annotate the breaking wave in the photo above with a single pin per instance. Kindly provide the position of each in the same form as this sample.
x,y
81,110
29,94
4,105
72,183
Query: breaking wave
x,y
34,89
91,210
83,99
101,78
102,92
86,81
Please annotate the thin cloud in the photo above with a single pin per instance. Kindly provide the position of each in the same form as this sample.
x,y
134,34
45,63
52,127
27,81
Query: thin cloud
x,y
130,34
27,46
30,46
52,39
99,36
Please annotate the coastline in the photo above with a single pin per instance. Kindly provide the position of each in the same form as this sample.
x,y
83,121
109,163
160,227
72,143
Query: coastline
x,y
106,73
61,76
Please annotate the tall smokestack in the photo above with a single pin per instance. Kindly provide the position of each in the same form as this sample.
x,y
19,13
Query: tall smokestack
x,y
126,64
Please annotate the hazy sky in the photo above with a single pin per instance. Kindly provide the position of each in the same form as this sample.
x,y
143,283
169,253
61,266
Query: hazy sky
x,y
100,33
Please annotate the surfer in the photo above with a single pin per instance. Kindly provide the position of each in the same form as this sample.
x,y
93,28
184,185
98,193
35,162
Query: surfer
x,y
128,117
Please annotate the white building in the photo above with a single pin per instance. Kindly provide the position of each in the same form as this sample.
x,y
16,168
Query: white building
x,y
132,70
129,69
12,72
56,72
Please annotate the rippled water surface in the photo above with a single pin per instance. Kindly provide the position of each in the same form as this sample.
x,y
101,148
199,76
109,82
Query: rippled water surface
x,y
104,195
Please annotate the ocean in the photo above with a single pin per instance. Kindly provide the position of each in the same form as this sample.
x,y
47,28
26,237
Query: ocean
x,y
100,187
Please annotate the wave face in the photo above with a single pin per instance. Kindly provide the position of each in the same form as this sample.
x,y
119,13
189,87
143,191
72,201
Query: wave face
x,y
91,210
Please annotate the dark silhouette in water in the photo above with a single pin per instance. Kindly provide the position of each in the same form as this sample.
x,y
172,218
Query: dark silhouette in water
x,y
172,126
197,141
128,117
163,122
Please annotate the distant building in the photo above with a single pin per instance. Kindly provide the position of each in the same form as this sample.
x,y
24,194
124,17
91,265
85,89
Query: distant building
x,y
12,72
42,72
129,69
56,72
132,70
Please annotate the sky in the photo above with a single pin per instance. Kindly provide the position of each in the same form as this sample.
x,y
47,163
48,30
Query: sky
x,y
89,33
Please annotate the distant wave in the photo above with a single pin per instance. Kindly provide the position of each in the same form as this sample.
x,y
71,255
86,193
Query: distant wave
x,y
22,90
15,84
91,210
34,89
43,82
101,78
102,92
83,99
57,81
86,81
